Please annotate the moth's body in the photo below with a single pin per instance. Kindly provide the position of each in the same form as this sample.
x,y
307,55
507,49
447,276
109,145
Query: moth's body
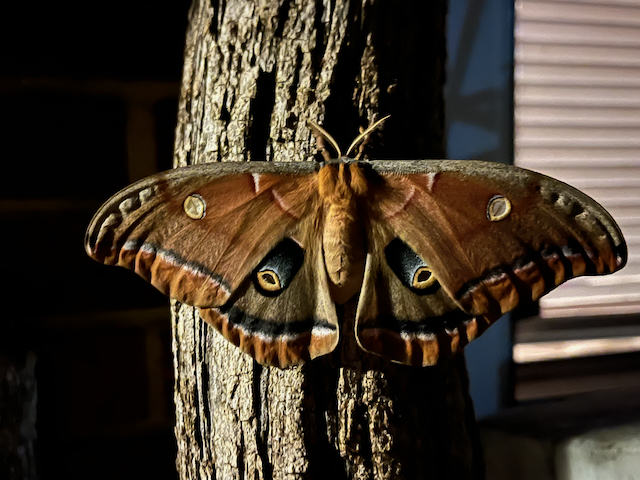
x,y
343,187
434,251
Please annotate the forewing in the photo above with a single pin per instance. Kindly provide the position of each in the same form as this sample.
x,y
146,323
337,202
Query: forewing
x,y
247,210
240,221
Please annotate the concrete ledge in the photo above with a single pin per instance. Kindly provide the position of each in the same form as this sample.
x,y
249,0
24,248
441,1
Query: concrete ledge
x,y
612,453
594,436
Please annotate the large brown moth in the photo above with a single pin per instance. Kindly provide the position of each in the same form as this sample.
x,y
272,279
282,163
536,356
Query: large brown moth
x,y
434,250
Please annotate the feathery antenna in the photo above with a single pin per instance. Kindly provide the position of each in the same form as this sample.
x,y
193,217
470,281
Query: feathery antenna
x,y
363,136
321,135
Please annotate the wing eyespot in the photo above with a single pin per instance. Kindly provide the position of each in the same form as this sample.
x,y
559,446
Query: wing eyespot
x,y
195,207
268,280
498,208
423,278
278,268
411,270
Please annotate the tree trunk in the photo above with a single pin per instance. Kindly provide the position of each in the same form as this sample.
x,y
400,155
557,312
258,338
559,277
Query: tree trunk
x,y
254,71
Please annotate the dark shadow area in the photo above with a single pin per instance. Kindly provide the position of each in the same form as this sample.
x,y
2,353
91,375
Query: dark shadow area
x,y
89,95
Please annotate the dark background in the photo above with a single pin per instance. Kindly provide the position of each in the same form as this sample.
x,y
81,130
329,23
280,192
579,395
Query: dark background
x,y
88,95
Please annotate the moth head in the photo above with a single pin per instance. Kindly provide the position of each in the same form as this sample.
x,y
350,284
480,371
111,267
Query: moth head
x,y
277,269
411,270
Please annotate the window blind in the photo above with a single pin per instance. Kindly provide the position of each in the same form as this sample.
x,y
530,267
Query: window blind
x,y
577,118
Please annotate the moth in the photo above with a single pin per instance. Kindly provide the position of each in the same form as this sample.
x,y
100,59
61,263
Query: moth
x,y
433,250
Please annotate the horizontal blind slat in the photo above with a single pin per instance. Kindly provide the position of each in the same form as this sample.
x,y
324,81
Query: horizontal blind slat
x,y
579,3
533,116
572,75
593,176
565,55
567,96
626,308
586,14
562,33
578,137
544,157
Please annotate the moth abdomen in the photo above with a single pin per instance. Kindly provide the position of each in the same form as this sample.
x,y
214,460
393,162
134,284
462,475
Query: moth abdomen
x,y
343,232
343,241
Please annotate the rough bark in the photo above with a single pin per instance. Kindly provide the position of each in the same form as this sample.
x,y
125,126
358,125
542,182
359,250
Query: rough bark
x,y
254,71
